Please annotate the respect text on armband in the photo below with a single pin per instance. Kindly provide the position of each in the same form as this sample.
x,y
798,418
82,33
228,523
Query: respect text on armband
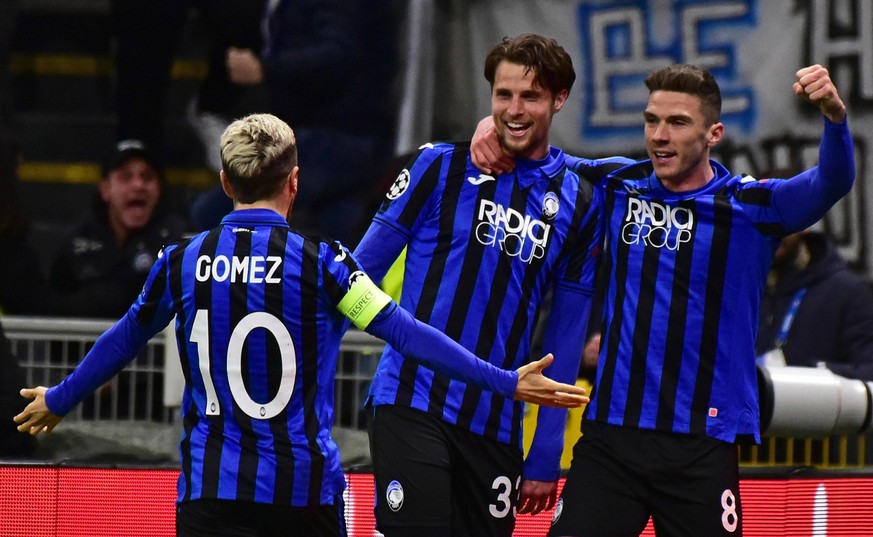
x,y
360,305
516,234
247,269
656,224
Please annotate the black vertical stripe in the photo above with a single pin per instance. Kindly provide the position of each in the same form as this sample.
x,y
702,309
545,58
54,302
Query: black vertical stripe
x,y
174,280
215,439
618,260
189,423
520,323
578,246
711,313
462,298
458,311
146,315
309,285
274,303
247,469
192,415
436,269
676,328
420,194
641,333
486,341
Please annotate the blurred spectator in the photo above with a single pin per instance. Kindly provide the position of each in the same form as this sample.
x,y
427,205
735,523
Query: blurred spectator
x,y
24,289
816,310
147,34
101,268
343,114
12,443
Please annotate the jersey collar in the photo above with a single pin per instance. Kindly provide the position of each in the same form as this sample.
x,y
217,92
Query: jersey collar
x,y
528,171
254,216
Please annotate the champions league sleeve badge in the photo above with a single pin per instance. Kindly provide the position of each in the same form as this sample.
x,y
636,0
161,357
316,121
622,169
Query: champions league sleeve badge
x,y
399,186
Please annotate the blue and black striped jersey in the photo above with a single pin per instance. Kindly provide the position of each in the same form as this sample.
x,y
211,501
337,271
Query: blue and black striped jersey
x,y
260,313
685,274
482,251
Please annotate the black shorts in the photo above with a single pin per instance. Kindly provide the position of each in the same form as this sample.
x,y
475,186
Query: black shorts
x,y
620,476
437,479
218,518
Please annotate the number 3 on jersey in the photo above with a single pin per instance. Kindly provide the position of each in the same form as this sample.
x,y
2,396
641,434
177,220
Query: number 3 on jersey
x,y
503,486
252,321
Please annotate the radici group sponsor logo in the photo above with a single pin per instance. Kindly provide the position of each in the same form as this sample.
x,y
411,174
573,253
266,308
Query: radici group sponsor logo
x,y
656,224
516,234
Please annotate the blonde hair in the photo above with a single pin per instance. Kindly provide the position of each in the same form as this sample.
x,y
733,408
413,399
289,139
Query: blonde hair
x,y
257,154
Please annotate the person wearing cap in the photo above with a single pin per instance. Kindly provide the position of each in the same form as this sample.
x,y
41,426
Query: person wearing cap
x,y
102,265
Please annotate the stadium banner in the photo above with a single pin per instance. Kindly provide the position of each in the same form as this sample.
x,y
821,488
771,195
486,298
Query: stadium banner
x,y
753,47
49,501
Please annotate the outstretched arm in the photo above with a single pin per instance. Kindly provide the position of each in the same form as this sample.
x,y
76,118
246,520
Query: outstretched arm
x,y
111,352
439,352
374,311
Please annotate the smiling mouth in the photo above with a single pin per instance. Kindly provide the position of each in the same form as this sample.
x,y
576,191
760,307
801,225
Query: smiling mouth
x,y
662,155
516,129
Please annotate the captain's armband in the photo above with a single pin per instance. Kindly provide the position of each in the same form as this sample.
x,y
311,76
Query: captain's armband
x,y
363,301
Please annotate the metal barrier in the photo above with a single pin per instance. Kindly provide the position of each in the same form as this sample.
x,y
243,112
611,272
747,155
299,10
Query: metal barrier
x,y
833,452
48,349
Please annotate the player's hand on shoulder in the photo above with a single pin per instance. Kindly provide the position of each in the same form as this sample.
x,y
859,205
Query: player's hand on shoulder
x,y
486,152
814,84
534,387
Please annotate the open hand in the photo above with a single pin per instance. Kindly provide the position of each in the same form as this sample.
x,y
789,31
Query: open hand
x,y
534,387
36,417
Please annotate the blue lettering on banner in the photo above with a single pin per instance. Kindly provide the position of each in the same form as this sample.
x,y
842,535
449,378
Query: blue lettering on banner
x,y
623,41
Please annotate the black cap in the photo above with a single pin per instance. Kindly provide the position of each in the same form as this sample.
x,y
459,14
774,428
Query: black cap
x,y
127,149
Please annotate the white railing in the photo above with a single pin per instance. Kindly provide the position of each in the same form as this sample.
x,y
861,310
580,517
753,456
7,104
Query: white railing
x,y
148,390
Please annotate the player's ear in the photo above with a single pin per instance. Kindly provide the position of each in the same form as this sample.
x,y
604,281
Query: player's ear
x,y
560,99
225,185
716,132
292,180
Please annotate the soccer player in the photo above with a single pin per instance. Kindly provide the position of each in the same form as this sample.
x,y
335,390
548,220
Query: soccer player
x,y
482,251
688,247
260,314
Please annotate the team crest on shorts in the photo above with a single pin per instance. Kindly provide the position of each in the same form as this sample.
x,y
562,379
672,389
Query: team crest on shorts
x,y
394,495
559,508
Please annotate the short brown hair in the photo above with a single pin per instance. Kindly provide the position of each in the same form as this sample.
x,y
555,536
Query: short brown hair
x,y
552,66
257,154
690,79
